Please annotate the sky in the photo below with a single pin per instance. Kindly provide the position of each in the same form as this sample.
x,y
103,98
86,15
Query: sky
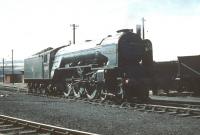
x,y
28,26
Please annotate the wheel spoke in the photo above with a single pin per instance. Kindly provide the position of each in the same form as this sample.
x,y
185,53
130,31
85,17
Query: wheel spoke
x,y
76,90
91,92
67,90
103,94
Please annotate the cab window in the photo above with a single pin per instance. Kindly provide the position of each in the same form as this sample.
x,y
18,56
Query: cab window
x,y
45,58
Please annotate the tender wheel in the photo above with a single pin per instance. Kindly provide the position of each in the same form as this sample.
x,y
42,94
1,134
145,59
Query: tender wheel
x,y
49,89
91,91
67,90
35,88
42,89
45,89
30,87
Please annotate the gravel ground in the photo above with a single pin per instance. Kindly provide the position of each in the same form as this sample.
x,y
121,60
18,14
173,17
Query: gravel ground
x,y
181,99
94,118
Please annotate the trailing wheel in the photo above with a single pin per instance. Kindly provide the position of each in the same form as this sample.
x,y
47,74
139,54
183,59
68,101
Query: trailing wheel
x,y
103,93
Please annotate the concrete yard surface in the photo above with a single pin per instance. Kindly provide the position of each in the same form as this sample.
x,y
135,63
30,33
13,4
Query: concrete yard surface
x,y
94,118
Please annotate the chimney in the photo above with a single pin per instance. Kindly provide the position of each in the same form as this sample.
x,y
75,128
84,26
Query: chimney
x,y
138,29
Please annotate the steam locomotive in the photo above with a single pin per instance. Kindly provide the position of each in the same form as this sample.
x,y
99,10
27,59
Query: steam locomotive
x,y
117,66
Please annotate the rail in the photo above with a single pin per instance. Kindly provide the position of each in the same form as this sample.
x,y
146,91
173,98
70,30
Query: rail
x,y
11,125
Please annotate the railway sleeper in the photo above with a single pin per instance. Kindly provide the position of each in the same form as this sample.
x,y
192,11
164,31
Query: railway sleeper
x,y
125,105
150,108
6,126
174,111
196,116
160,110
13,129
143,108
195,112
28,132
184,114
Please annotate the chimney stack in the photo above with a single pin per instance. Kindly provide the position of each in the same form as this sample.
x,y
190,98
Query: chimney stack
x,y
138,29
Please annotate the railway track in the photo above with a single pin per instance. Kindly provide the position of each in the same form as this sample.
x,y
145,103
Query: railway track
x,y
182,109
15,126
185,110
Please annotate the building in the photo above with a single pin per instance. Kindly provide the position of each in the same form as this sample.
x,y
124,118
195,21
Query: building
x,y
16,77
18,72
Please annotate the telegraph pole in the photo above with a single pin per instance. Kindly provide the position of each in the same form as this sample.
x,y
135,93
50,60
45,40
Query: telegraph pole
x,y
3,70
12,69
143,36
74,26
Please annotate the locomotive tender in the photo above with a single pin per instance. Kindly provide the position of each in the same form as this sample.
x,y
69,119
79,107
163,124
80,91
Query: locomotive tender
x,y
164,75
188,75
118,66
181,75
